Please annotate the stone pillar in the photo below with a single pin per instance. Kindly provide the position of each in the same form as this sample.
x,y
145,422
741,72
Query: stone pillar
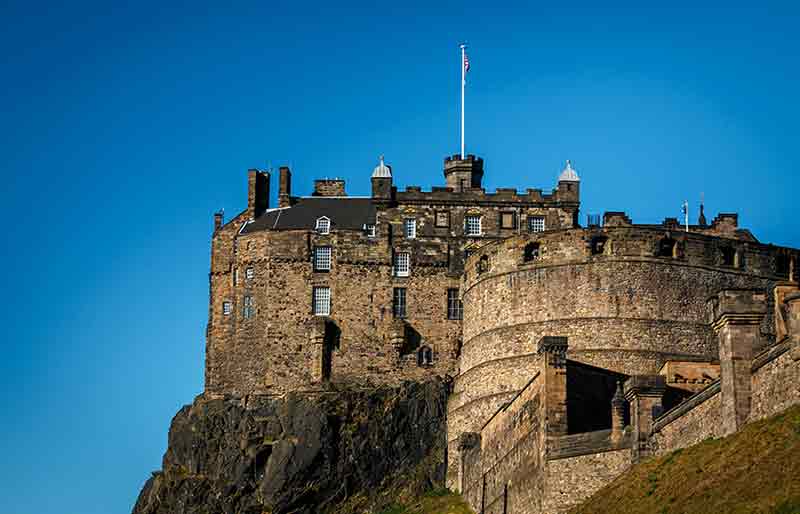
x,y
553,351
736,318
316,338
644,393
617,414
468,444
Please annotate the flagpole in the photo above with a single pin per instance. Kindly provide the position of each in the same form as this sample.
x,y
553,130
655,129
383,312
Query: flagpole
x,y
463,81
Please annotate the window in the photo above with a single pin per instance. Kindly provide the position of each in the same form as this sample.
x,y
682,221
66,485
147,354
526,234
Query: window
x,y
425,356
410,226
247,307
535,223
472,225
323,225
599,245
442,219
531,252
226,308
370,229
483,264
728,255
455,309
322,258
402,264
399,302
249,273
666,247
236,277
321,301
508,220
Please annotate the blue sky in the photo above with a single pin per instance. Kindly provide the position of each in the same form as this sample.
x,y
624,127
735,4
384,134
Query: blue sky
x,y
125,128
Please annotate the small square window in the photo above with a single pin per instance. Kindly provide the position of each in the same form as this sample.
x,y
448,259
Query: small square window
x,y
472,225
399,302
402,264
410,228
322,258
455,307
249,273
248,311
321,301
536,223
370,229
508,220
442,219
226,308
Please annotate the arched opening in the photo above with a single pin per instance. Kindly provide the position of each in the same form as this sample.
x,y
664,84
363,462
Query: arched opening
x,y
425,356
531,252
666,247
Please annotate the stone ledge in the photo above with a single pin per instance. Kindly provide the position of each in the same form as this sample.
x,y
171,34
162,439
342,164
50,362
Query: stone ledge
x,y
586,443
770,354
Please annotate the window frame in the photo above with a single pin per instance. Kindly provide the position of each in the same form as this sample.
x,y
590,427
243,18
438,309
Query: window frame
x,y
410,223
371,230
249,273
323,225
318,255
534,220
513,224
455,306
397,259
248,307
441,215
227,308
399,303
319,299
473,217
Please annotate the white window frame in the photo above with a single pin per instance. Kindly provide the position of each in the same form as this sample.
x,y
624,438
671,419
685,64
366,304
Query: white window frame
x,y
322,258
321,300
249,273
227,308
370,228
401,264
410,228
323,225
469,228
536,223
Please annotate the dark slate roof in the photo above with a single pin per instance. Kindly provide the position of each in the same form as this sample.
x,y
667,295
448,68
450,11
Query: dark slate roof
x,y
345,214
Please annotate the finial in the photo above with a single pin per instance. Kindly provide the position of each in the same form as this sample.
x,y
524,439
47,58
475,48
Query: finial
x,y
381,158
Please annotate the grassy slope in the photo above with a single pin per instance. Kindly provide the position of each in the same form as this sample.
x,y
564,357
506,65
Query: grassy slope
x,y
755,471
440,501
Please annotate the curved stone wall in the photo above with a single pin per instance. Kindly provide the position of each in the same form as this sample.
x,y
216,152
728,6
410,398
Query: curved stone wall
x,y
625,308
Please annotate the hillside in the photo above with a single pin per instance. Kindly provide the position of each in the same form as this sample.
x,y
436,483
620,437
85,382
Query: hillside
x,y
756,470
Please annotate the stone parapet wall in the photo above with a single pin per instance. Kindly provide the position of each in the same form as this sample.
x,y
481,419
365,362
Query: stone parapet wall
x,y
572,480
689,423
776,381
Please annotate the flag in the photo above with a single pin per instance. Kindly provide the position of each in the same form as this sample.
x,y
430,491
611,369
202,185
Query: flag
x,y
466,62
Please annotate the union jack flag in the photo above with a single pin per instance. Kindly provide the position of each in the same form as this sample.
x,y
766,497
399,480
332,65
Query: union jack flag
x,y
466,62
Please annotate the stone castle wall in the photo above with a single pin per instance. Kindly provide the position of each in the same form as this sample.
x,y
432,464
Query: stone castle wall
x,y
625,309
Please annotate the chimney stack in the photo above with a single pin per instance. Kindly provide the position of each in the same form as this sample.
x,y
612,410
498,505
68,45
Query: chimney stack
x,y
257,192
284,187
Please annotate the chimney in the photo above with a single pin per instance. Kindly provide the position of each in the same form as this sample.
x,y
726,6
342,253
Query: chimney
x,y
284,187
257,192
218,220
329,187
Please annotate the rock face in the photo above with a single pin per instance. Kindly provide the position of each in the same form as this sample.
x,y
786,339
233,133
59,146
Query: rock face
x,y
336,451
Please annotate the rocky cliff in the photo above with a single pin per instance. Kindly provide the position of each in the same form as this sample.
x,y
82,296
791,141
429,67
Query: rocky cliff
x,y
336,451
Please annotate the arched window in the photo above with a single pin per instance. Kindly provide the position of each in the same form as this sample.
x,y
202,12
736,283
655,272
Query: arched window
x,y
483,264
666,247
599,245
323,225
531,252
425,356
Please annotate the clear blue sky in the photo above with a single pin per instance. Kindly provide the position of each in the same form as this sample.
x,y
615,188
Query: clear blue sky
x,y
124,128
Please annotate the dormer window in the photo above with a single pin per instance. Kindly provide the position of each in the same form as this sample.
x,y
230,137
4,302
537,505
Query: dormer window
x,y
323,225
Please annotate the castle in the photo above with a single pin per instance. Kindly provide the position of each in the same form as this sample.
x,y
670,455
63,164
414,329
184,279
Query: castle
x,y
575,350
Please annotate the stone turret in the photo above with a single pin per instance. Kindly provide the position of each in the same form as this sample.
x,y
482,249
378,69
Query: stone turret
x,y
462,174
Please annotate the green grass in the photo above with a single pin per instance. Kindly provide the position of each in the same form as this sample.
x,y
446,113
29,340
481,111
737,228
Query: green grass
x,y
754,471
438,501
